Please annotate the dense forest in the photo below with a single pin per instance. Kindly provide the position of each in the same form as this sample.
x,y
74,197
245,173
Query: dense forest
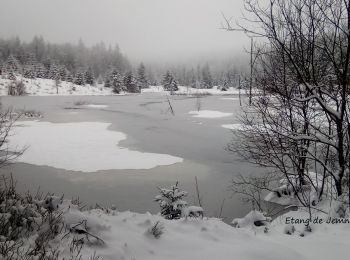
x,y
99,63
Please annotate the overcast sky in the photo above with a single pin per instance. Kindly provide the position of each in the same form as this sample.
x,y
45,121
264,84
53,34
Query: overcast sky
x,y
148,30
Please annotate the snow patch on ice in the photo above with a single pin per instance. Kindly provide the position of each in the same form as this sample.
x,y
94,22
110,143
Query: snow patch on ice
x,y
209,114
96,106
83,146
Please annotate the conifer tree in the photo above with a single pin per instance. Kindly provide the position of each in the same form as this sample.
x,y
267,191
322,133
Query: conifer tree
x,y
116,81
54,72
40,71
29,72
69,77
207,80
89,76
29,68
171,201
142,80
130,83
79,78
12,65
63,73
169,82
192,79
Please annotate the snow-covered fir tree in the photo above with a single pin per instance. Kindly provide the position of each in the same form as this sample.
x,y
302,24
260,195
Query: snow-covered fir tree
x,y
63,73
29,72
29,68
15,56
207,79
12,65
192,80
171,201
54,72
116,81
142,80
169,82
40,71
69,77
130,83
89,77
79,78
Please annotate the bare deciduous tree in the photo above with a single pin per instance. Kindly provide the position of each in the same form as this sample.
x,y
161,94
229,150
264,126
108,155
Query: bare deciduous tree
x,y
7,120
301,122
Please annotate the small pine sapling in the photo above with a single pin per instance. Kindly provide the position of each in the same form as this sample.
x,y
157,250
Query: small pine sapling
x,y
171,201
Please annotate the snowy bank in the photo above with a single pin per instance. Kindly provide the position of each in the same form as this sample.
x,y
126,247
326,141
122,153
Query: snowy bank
x,y
183,90
47,87
106,233
86,146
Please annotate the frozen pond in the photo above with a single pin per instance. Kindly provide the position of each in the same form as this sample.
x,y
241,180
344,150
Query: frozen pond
x,y
150,128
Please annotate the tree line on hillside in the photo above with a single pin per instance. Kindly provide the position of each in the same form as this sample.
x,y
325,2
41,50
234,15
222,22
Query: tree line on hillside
x,y
66,62
100,64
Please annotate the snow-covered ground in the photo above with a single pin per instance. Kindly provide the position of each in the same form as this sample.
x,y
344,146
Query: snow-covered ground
x,y
126,236
192,91
112,235
47,87
209,114
84,146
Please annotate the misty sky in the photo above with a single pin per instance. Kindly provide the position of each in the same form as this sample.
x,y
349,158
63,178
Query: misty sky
x,y
148,30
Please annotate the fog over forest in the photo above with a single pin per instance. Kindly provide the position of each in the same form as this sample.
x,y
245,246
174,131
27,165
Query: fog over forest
x,y
157,31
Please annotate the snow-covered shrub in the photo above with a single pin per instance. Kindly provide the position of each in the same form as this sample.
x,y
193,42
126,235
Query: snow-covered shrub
x,y
308,228
253,218
36,227
338,209
16,88
30,113
156,230
291,192
192,211
23,217
171,201
289,229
